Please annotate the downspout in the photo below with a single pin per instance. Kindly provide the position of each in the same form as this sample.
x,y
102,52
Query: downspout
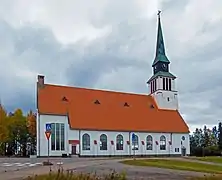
x,y
67,134
79,143
130,143
38,131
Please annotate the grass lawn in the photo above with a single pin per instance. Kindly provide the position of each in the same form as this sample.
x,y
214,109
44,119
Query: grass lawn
x,y
176,164
215,159
207,178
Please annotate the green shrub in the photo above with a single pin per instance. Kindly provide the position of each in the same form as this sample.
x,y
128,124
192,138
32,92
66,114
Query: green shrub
x,y
70,175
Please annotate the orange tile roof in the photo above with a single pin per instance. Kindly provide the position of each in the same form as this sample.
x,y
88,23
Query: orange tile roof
x,y
110,114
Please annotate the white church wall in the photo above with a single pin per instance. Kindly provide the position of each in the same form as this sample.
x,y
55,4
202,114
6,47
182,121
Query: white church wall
x,y
76,135
128,149
166,99
111,149
43,142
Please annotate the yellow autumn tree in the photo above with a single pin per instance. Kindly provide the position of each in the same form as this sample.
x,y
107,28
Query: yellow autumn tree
x,y
4,132
3,124
31,123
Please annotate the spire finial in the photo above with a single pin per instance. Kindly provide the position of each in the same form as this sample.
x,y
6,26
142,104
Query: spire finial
x,y
158,14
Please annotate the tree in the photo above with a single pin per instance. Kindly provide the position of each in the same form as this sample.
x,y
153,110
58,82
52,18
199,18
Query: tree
x,y
31,124
3,129
206,137
220,136
18,135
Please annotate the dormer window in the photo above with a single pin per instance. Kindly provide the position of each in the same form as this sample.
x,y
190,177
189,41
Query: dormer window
x,y
151,106
97,102
126,104
64,99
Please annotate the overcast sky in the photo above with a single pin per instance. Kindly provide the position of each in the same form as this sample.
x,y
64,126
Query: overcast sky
x,y
110,44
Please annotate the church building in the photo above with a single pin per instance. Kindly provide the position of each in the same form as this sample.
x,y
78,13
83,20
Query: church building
x,y
89,122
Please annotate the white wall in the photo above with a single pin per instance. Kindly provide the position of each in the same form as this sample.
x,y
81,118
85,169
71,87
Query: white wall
x,y
44,119
111,136
161,98
73,135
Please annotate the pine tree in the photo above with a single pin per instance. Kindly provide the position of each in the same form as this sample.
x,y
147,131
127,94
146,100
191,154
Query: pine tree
x,y
220,136
206,137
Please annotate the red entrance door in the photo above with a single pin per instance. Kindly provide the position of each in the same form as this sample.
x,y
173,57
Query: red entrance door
x,y
73,149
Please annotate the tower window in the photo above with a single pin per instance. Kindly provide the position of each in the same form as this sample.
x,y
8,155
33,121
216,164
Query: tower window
x,y
168,99
170,84
155,85
167,83
152,87
164,88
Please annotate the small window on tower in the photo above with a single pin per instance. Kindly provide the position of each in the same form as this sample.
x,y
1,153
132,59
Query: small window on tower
x,y
168,99
126,104
164,88
170,84
97,102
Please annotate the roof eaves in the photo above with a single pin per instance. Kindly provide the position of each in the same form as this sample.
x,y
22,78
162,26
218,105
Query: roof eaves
x,y
161,73
124,130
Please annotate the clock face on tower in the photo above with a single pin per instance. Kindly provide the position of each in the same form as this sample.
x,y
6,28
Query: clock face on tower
x,y
164,66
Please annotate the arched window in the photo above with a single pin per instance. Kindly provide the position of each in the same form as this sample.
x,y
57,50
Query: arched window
x,y
135,143
149,142
162,143
103,142
119,142
85,142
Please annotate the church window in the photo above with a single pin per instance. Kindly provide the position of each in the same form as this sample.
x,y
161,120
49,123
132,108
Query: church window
x,y
86,142
170,85
119,142
168,99
164,83
162,143
149,142
57,137
135,143
103,142
53,137
167,88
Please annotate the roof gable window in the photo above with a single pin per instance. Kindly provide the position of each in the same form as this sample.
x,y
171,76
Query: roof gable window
x,y
126,104
97,102
64,99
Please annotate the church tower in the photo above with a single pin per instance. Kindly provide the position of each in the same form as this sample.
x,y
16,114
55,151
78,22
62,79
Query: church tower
x,y
162,83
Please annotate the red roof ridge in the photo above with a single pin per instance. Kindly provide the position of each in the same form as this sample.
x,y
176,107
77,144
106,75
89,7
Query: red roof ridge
x,y
94,89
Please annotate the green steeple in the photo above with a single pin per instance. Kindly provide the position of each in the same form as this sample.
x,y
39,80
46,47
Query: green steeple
x,y
160,49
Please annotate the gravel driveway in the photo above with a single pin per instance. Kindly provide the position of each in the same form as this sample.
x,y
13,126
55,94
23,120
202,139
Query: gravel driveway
x,y
103,166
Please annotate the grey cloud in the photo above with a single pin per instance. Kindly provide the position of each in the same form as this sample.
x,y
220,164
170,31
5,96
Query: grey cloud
x,y
121,60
